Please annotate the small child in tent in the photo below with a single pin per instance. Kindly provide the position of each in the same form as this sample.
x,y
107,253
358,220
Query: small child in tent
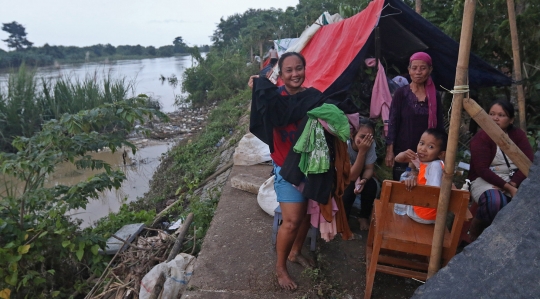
x,y
428,159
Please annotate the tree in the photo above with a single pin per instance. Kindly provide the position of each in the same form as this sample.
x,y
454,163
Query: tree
x,y
179,45
109,49
165,51
41,248
17,36
492,41
151,50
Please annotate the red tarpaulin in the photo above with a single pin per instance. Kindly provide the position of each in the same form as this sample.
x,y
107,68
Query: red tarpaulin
x,y
334,46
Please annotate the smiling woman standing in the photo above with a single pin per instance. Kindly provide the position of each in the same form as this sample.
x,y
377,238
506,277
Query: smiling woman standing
x,y
275,118
415,108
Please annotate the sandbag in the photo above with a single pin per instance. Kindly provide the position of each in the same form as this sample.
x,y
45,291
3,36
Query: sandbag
x,y
267,197
177,273
250,151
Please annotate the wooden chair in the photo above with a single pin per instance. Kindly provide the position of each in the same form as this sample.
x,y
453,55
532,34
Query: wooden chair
x,y
400,246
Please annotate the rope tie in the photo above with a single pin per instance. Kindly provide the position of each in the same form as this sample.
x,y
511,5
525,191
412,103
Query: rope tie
x,y
458,89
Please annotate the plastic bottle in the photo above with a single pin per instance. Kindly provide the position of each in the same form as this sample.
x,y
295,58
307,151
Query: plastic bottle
x,y
401,209
466,185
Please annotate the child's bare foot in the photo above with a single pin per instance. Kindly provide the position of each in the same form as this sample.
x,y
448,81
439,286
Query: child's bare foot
x,y
285,281
302,260
364,223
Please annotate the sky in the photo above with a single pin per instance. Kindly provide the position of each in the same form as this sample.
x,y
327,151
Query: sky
x,y
123,22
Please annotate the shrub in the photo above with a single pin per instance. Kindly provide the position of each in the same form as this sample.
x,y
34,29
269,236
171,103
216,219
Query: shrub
x,y
43,253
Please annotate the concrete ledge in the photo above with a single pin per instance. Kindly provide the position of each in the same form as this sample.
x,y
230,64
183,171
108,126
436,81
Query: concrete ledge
x,y
248,183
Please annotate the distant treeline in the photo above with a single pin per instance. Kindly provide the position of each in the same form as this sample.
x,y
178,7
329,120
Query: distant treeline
x,y
47,55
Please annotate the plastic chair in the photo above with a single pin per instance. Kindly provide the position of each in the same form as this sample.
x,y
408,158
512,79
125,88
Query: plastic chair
x,y
312,234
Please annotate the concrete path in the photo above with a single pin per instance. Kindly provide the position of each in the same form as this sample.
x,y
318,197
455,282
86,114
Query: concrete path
x,y
237,258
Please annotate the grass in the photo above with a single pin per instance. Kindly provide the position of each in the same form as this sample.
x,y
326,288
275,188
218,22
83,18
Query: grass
x,y
26,102
181,173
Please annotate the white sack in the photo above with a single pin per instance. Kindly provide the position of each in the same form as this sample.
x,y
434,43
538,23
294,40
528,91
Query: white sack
x,y
250,151
177,273
267,197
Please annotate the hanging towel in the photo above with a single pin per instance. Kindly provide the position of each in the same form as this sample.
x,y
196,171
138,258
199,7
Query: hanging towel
x,y
338,122
312,146
381,99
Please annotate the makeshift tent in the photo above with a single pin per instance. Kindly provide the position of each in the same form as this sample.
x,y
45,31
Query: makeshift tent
x,y
337,51
281,45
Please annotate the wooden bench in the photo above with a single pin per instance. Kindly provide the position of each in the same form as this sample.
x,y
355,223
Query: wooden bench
x,y
400,246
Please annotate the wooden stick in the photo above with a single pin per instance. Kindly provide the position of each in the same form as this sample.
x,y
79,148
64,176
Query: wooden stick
x,y
129,244
194,239
517,64
178,244
497,134
453,136
100,280
211,177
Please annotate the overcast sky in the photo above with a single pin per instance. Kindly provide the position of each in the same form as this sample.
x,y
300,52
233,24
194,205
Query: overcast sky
x,y
123,22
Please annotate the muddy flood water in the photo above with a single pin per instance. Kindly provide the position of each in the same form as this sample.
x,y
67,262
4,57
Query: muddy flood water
x,y
139,169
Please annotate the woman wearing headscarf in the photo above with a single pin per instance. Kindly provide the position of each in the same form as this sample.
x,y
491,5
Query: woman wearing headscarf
x,y
415,108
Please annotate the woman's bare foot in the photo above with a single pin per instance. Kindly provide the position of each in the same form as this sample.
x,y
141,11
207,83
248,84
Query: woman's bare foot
x,y
302,260
285,281
364,223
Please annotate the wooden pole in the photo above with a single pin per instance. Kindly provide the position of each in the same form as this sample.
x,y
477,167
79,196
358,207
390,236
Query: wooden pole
x,y
178,244
497,134
453,136
418,6
517,64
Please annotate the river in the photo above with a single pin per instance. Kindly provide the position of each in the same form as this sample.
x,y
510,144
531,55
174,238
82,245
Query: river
x,y
141,167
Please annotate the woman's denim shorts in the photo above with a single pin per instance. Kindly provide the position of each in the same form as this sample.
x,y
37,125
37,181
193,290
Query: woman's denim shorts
x,y
285,191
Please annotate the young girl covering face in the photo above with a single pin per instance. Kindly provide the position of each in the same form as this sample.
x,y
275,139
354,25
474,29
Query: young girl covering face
x,y
362,157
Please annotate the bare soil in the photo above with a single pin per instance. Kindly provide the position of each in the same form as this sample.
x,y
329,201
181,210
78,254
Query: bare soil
x,y
344,266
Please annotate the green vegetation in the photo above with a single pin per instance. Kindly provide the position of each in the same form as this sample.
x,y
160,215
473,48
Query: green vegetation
x,y
49,54
241,35
36,218
181,172
17,36
492,41
24,52
218,76
26,102
43,252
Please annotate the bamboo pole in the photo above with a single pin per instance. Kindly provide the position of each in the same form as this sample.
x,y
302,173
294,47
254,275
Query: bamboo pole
x,y
462,69
182,233
517,64
498,135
